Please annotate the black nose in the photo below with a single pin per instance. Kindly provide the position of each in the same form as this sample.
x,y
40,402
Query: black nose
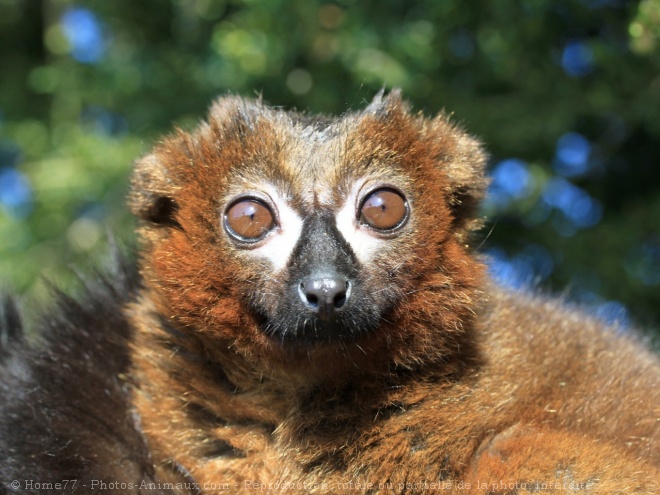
x,y
324,295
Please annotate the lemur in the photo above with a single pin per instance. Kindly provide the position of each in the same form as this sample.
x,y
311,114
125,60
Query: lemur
x,y
310,316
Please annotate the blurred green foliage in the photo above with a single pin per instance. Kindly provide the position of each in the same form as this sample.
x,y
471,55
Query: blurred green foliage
x,y
564,94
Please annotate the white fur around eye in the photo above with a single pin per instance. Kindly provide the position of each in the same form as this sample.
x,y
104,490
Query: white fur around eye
x,y
280,243
363,243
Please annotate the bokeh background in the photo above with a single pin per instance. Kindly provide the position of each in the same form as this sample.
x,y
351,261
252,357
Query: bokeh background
x,y
566,96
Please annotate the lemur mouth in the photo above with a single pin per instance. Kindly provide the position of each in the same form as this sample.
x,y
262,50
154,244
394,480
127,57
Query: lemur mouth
x,y
307,329
321,309
318,330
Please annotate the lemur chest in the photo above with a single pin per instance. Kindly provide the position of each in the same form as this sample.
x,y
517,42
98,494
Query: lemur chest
x,y
330,443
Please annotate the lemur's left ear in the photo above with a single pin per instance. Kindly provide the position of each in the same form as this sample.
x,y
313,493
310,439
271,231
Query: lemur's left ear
x,y
465,166
153,192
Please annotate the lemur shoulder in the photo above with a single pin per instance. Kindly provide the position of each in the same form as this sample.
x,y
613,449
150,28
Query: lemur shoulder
x,y
310,317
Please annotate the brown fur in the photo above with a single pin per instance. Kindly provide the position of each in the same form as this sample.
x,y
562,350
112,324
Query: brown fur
x,y
459,382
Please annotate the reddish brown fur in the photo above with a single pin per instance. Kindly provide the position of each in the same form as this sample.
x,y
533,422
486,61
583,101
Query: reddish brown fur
x,y
459,382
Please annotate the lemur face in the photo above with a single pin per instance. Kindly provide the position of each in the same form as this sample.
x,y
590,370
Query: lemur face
x,y
273,227
326,251
320,225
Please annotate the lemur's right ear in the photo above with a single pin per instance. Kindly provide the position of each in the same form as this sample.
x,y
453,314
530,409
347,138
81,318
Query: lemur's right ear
x,y
152,193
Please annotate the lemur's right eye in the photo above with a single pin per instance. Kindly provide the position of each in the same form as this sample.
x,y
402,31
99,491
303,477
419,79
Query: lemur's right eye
x,y
384,209
249,219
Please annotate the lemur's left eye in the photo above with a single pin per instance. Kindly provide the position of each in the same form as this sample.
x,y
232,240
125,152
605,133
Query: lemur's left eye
x,y
384,209
249,219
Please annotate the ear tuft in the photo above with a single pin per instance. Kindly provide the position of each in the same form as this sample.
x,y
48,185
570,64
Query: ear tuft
x,y
152,193
235,112
381,105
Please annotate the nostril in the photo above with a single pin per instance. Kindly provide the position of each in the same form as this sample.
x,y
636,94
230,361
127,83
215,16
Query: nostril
x,y
340,298
311,298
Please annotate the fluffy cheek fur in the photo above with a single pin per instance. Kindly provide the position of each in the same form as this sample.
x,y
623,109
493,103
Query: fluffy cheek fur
x,y
198,287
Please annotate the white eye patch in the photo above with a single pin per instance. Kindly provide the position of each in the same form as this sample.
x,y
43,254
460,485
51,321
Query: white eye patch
x,y
281,242
363,244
